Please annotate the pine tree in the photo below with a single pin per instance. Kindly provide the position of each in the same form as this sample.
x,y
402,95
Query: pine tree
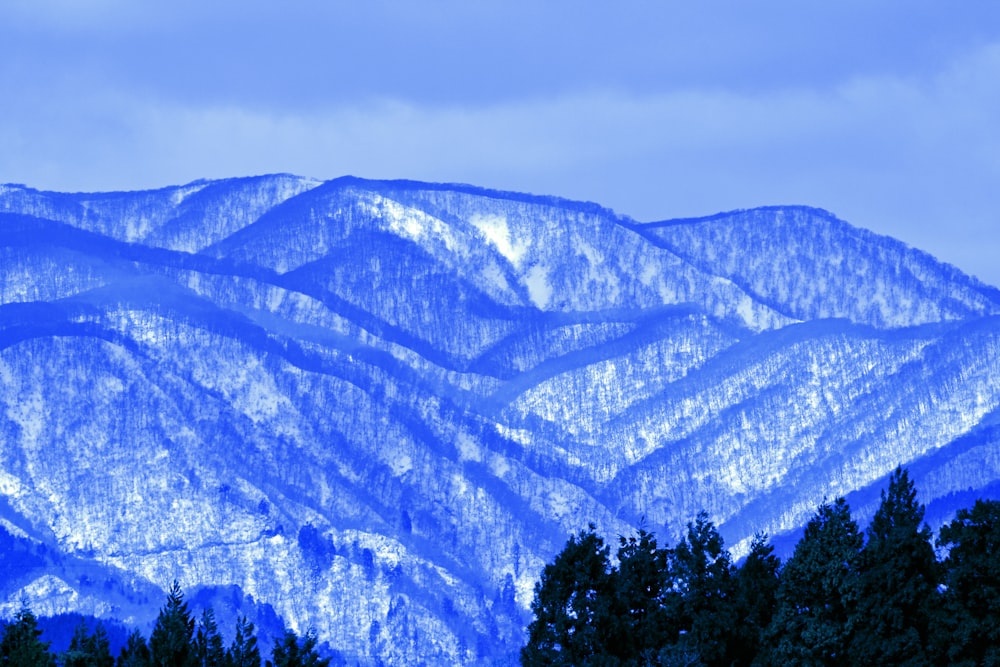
x,y
208,650
895,587
754,599
99,647
571,605
289,651
21,645
135,653
243,652
639,621
969,625
88,650
702,572
170,644
77,655
809,626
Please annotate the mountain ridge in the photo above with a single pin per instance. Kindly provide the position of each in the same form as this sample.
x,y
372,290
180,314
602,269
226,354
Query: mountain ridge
x,y
380,407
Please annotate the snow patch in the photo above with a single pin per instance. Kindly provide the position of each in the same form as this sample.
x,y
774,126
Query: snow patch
x,y
414,224
537,282
746,312
468,449
400,465
49,595
497,232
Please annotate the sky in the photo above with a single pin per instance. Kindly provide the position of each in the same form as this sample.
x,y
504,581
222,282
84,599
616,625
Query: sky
x,y
885,113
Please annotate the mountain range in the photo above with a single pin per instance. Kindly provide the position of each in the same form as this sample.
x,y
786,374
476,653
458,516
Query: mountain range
x,y
378,408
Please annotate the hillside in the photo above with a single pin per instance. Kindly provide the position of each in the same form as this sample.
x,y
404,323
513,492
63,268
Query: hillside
x,y
381,407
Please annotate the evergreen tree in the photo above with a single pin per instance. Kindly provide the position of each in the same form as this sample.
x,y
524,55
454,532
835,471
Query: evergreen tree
x,y
571,606
170,644
77,655
970,623
99,647
135,653
88,650
243,652
289,651
208,650
896,582
21,645
754,599
702,572
639,621
809,626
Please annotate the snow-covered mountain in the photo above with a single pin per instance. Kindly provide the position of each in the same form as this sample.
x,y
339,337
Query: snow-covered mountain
x,y
381,407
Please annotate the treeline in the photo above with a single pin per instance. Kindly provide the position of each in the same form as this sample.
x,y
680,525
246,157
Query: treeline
x,y
177,640
844,597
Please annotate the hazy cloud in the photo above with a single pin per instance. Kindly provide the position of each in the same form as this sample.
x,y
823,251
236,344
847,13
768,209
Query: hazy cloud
x,y
657,112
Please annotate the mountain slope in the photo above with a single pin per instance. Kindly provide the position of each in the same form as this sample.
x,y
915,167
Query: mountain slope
x,y
381,407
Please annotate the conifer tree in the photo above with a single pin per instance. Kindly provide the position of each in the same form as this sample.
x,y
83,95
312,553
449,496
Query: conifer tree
x,y
639,621
77,655
21,645
895,587
571,606
135,653
88,650
809,626
969,625
243,652
170,644
754,599
208,650
702,572
99,647
289,651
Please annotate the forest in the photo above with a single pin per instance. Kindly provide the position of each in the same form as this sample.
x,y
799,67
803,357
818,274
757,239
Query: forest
x,y
886,596
177,640
891,595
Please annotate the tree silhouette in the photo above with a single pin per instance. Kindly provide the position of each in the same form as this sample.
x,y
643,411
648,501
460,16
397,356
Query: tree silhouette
x,y
170,644
969,625
243,652
809,626
571,606
21,645
896,582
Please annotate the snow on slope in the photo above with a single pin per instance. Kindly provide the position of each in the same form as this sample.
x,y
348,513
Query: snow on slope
x,y
381,407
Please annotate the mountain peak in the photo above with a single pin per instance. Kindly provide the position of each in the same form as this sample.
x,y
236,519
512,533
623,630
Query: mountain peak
x,y
378,408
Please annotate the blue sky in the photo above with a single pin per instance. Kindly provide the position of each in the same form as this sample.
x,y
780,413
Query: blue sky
x,y
885,113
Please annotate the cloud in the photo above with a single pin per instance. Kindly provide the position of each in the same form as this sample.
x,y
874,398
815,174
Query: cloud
x,y
895,152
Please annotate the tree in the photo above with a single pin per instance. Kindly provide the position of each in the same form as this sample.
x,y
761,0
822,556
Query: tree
x,y
970,622
571,606
135,653
76,655
639,620
88,650
243,652
809,626
99,647
895,587
290,652
753,601
208,651
21,645
702,572
170,643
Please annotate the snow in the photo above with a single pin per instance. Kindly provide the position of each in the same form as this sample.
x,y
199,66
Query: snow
x,y
497,232
494,429
537,282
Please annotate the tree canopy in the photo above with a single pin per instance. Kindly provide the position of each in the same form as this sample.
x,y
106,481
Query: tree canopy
x,y
844,597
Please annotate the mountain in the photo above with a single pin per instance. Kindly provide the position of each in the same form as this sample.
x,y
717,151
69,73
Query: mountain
x,y
377,409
